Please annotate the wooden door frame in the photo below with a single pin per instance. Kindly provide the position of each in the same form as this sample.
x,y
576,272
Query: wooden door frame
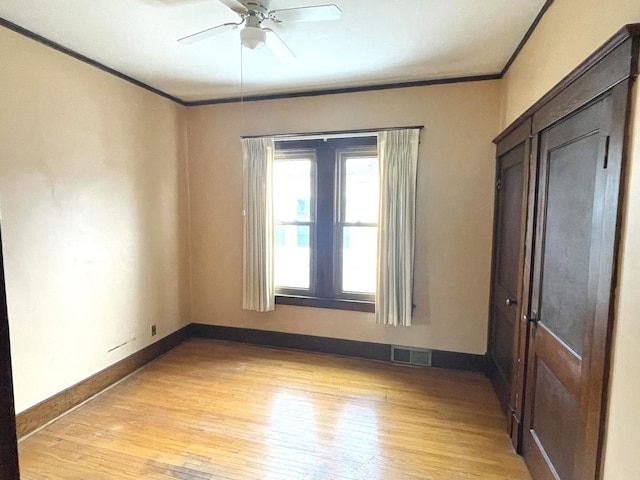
x,y
520,136
613,65
611,71
8,442
585,377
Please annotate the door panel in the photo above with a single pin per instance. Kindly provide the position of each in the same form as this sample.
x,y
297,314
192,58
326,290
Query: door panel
x,y
508,259
565,300
512,179
512,171
556,428
567,283
503,344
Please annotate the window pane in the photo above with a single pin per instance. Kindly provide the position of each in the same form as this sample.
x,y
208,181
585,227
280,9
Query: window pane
x,y
361,189
303,236
359,248
279,235
292,256
292,190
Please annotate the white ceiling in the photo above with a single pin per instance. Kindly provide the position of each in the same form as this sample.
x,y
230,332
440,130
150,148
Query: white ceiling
x,y
375,42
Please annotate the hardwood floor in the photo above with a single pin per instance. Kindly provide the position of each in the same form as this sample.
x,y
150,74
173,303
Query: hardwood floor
x,y
217,410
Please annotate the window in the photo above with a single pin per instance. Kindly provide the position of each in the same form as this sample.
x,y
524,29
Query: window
x,y
326,213
357,225
293,182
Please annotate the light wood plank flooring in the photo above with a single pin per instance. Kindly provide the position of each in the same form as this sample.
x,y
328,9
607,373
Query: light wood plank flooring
x,y
217,410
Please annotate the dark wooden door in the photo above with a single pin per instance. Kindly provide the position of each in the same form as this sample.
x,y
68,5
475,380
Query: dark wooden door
x,y
8,446
578,197
504,326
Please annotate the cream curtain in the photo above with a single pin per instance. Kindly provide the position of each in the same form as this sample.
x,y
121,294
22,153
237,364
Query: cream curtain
x,y
398,154
258,291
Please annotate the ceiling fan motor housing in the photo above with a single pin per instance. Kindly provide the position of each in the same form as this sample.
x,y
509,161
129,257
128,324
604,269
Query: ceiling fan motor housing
x,y
257,8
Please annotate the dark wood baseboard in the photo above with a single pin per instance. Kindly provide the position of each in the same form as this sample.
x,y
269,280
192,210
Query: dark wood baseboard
x,y
469,362
335,346
53,407
266,338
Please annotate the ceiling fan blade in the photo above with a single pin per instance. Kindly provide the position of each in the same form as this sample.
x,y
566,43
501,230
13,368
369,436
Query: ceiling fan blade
x,y
278,47
209,32
235,5
306,14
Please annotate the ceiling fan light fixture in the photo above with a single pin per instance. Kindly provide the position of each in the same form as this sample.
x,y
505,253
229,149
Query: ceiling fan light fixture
x,y
253,37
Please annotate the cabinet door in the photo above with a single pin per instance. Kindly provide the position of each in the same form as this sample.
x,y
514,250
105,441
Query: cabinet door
x,y
504,327
8,443
578,197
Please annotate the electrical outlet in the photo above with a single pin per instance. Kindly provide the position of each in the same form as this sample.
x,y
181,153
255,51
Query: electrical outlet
x,y
153,330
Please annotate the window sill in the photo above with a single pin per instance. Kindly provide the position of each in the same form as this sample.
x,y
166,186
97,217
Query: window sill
x,y
332,303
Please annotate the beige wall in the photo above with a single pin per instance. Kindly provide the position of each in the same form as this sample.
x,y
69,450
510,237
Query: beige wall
x,y
93,203
623,434
567,34
455,208
94,210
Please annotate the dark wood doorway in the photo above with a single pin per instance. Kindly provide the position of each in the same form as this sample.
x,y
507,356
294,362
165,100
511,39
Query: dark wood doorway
x,y
504,349
578,198
577,138
8,443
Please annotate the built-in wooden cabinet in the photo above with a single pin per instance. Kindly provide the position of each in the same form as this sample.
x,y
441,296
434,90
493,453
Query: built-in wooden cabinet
x,y
559,186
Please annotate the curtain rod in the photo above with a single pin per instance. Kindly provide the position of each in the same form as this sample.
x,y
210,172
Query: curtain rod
x,y
369,132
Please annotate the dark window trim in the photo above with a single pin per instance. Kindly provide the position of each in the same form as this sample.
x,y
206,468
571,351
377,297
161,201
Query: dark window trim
x,y
323,292
331,303
333,134
335,143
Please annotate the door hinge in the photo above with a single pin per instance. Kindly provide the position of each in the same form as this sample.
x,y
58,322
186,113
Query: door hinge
x,y
606,151
498,183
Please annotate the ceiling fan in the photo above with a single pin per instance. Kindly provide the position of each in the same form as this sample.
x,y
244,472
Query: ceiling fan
x,y
253,35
